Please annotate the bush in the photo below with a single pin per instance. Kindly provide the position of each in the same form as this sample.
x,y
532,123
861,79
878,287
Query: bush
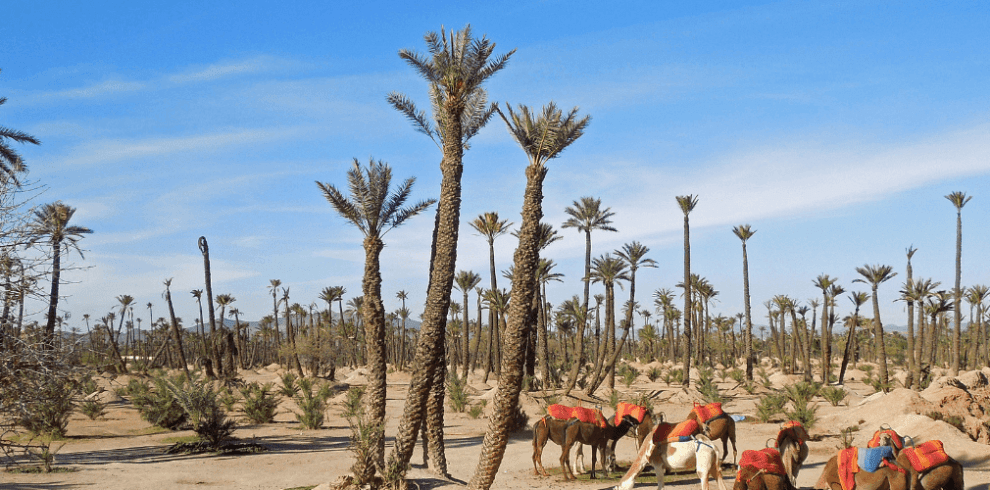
x,y
644,401
834,394
613,399
313,403
87,385
364,437
352,404
157,405
653,374
802,392
134,388
202,406
629,377
477,409
456,395
260,403
93,409
289,388
806,414
707,387
49,414
769,406
737,375
228,399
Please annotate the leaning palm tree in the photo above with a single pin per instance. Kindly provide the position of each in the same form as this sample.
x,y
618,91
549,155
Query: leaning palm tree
x,y
875,275
50,224
457,67
175,326
958,199
465,281
11,162
375,208
858,298
586,215
745,232
687,204
542,137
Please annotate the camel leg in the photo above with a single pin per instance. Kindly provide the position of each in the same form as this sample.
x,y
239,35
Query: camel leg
x,y
594,456
539,442
565,464
646,451
579,460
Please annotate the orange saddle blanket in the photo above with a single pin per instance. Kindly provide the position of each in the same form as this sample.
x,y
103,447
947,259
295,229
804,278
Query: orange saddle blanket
x,y
635,411
767,459
894,436
926,455
794,430
588,415
707,412
848,467
684,429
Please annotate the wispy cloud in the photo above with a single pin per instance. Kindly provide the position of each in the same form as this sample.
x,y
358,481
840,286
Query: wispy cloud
x,y
217,71
101,89
110,151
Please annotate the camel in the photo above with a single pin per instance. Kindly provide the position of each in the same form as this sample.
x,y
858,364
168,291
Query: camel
x,y
721,427
699,454
566,433
884,478
945,476
750,478
791,442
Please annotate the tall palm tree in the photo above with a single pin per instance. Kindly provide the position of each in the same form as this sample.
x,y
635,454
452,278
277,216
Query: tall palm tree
x,y
204,248
456,69
687,204
375,208
745,232
125,301
542,136
976,295
875,275
403,295
11,162
635,256
907,294
958,199
223,301
465,281
273,288
175,326
824,282
198,294
50,223
491,227
586,215
858,298
607,270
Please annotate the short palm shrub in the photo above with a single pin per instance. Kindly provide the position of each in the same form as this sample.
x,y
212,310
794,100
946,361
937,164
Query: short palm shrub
x,y
201,403
352,403
770,406
834,394
228,399
613,399
653,374
157,405
707,387
48,414
629,376
477,409
802,392
93,408
457,397
312,400
260,402
737,375
806,414
289,387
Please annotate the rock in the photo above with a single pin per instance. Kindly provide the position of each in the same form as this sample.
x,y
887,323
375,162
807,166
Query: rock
x,y
973,380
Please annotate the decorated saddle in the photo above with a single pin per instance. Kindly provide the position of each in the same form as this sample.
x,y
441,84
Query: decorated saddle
x,y
635,411
794,430
768,460
589,415
683,431
707,412
872,458
926,455
848,467
894,436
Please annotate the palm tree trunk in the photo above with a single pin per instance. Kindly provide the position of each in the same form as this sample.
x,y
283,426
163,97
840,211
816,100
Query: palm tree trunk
x,y
957,293
374,324
749,319
688,310
53,297
176,332
204,247
581,324
881,345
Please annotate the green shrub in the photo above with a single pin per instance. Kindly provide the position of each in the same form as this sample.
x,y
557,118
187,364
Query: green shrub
x,y
228,399
834,394
365,434
477,409
653,374
769,406
644,401
156,404
135,387
260,402
613,399
93,409
352,404
289,387
313,403
49,411
707,387
456,394
629,377
87,385
737,375
202,406
764,378
806,414
802,392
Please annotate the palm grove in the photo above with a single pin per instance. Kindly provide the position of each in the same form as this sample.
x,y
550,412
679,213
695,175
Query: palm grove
x,y
525,340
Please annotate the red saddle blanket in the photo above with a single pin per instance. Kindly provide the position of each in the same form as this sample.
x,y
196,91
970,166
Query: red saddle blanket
x,y
637,412
684,429
794,430
848,467
588,415
767,459
926,455
894,436
707,412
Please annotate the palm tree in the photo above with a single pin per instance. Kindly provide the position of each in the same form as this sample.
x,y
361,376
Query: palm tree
x,y
824,282
875,275
198,294
858,298
175,326
465,281
273,287
456,68
976,295
586,215
607,270
491,227
687,204
11,162
224,300
404,314
745,232
375,208
204,247
634,254
51,223
907,294
958,199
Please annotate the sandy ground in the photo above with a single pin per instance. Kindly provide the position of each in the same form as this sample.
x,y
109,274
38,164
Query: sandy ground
x,y
124,452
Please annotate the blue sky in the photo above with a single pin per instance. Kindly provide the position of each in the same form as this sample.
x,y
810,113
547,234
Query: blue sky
x,y
833,128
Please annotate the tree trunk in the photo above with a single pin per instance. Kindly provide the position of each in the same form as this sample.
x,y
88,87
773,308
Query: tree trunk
x,y
374,324
957,293
204,247
881,345
749,319
686,379
175,330
581,323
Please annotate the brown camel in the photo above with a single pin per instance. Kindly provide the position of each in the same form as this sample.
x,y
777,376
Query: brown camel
x,y
945,476
566,433
791,442
884,478
720,427
750,478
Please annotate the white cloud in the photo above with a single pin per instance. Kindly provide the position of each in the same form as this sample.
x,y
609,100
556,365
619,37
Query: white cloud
x,y
107,87
217,71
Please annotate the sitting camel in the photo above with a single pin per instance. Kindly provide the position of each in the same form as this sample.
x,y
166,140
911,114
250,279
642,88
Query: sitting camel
x,y
889,476
927,462
699,454
762,470
717,425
